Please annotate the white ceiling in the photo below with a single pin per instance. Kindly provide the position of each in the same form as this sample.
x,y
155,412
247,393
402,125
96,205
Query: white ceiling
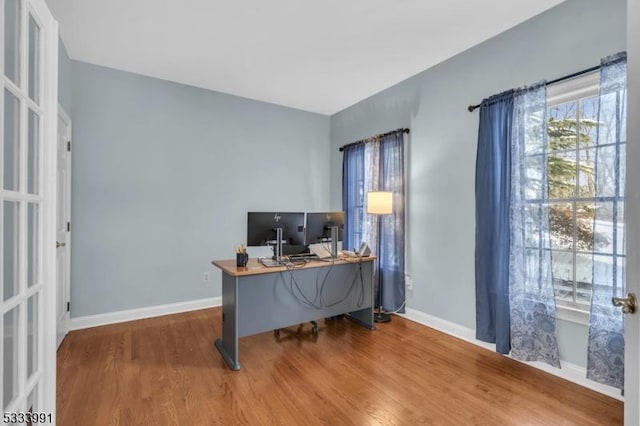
x,y
319,56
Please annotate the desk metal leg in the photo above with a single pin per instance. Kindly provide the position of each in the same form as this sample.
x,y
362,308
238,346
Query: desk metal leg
x,y
231,360
364,317
227,345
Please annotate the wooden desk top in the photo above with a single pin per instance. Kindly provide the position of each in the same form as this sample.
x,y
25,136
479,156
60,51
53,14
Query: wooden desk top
x,y
254,267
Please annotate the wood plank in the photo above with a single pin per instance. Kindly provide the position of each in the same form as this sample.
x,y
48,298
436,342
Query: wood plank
x,y
254,267
165,371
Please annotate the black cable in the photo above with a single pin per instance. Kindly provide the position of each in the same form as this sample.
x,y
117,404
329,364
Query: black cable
x,y
305,300
301,297
324,282
351,286
330,305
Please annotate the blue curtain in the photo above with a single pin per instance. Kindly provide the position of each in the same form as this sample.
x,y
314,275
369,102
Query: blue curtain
x,y
605,359
493,170
353,195
531,293
377,165
512,228
392,240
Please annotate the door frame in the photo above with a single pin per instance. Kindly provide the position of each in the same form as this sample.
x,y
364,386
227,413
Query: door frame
x,y
632,215
39,390
50,103
63,328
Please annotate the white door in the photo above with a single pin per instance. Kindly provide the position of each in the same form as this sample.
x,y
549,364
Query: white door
x,y
63,226
28,82
632,322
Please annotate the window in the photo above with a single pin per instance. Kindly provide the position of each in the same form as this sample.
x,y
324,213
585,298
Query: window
x,y
377,165
572,126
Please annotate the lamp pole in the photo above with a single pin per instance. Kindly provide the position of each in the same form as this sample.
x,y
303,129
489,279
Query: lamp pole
x,y
380,203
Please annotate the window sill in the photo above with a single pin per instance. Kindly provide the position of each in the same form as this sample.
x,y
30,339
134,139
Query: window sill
x,y
572,314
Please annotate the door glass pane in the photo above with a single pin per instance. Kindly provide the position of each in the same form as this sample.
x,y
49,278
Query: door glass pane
x,y
32,335
10,249
12,40
10,357
34,60
11,141
33,153
33,271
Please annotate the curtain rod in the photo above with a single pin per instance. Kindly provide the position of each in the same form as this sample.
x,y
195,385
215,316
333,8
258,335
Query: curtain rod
x,y
472,108
369,139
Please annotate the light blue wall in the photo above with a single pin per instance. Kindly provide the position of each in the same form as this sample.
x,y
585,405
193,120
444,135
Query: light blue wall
x,y
163,176
163,173
64,77
441,164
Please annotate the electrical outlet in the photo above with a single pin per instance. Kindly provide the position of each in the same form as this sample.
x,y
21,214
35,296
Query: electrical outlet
x,y
408,280
206,277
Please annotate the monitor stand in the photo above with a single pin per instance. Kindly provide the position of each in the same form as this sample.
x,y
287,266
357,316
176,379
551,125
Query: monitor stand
x,y
334,242
277,252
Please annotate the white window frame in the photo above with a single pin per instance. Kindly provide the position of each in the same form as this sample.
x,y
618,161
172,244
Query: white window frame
x,y
584,86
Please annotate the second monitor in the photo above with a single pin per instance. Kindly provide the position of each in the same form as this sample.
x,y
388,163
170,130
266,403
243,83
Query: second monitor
x,y
318,229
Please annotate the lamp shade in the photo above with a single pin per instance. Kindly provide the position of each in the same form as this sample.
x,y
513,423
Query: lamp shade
x,y
380,202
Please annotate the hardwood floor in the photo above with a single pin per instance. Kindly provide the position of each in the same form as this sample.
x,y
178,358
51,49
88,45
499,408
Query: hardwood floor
x,y
166,371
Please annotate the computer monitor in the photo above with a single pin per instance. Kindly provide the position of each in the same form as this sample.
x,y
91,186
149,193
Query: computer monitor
x,y
318,228
261,229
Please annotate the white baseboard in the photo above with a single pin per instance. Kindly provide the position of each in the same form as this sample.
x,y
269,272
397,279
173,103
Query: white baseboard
x,y
571,372
141,313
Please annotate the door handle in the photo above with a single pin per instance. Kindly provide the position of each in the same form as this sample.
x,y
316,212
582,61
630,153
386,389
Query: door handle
x,y
59,244
629,304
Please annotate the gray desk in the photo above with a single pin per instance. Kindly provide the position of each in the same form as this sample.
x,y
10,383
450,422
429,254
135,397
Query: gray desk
x,y
256,299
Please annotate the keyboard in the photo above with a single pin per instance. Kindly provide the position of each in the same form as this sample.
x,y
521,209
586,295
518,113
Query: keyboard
x,y
302,256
